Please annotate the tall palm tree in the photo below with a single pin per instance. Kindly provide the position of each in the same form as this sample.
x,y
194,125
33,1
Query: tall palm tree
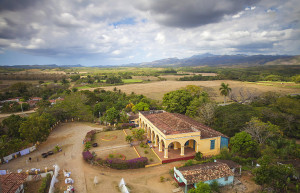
x,y
224,90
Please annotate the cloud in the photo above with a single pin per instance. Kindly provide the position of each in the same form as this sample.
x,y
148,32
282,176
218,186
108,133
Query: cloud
x,y
192,13
117,32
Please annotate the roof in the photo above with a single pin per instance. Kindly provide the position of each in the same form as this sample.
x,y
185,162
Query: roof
x,y
230,163
205,172
174,123
11,182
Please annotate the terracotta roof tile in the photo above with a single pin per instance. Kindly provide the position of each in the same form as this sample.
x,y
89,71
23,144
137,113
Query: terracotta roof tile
x,y
230,163
11,182
174,123
204,172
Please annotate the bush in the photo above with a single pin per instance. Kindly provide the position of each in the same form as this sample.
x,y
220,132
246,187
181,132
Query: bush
x,y
89,136
151,160
189,163
215,187
45,184
128,125
127,164
146,152
87,155
162,179
198,156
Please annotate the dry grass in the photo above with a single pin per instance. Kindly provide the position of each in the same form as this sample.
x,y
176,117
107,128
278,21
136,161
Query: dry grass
x,y
127,151
120,140
156,90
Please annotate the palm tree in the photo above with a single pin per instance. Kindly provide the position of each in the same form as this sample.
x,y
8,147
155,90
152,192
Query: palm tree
x,y
224,90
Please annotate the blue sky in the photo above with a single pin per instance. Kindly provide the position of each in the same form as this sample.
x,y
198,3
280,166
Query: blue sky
x,y
98,32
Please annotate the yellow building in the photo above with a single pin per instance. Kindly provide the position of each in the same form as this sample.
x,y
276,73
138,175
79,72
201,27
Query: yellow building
x,y
169,131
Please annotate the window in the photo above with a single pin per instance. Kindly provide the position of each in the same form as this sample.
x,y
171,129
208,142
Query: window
x,y
226,178
212,144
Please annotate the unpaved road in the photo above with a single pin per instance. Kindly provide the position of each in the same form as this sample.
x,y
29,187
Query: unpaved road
x,y
70,136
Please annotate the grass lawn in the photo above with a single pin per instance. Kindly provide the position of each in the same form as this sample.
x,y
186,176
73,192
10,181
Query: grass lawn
x,y
128,152
110,138
149,155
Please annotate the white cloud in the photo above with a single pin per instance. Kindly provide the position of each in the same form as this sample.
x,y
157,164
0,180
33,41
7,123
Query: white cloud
x,y
81,29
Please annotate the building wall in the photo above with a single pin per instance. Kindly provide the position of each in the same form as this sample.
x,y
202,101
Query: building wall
x,y
204,146
221,181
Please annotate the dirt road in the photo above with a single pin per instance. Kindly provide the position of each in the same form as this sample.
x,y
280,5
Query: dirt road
x,y
69,136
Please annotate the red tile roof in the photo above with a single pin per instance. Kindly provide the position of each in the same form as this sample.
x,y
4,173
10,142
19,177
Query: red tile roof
x,y
204,172
11,182
174,123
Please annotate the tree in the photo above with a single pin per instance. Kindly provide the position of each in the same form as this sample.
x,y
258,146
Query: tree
x,y
207,112
13,123
224,90
230,119
124,117
141,106
201,188
35,128
112,115
242,94
273,175
138,134
243,144
261,131
64,81
129,138
177,101
75,77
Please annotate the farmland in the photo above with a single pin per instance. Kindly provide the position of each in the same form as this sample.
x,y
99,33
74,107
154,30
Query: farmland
x,y
156,90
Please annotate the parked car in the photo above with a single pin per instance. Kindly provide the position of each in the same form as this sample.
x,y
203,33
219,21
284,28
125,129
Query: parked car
x,y
44,155
95,145
50,153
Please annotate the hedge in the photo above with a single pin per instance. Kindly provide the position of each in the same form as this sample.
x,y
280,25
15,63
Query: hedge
x,y
87,155
45,184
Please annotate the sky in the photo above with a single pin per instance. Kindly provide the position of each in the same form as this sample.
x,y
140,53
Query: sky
x,y
114,32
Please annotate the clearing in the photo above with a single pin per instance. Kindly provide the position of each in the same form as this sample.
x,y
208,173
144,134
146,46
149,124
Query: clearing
x,y
156,90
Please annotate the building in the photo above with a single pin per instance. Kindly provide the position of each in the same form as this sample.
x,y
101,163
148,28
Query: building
x,y
12,183
175,131
207,173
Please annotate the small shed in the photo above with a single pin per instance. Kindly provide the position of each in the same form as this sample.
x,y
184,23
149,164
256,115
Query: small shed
x,y
207,173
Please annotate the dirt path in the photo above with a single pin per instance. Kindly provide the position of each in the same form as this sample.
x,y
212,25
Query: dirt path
x,y
17,113
70,136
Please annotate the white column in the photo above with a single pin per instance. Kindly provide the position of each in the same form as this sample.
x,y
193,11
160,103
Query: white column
x,y
160,147
175,145
155,141
182,151
151,134
166,152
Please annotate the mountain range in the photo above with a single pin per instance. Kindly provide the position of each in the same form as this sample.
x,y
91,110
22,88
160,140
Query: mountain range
x,y
196,60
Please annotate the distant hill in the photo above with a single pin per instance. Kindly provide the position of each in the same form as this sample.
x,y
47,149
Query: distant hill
x,y
222,60
295,60
46,66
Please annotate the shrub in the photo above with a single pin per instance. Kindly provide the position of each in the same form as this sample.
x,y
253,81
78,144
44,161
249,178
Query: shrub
x,y
151,160
89,136
146,152
87,155
198,156
45,184
162,179
215,187
128,125
189,163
